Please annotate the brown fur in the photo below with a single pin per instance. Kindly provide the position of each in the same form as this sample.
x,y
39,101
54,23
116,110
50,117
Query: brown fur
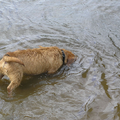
x,y
32,61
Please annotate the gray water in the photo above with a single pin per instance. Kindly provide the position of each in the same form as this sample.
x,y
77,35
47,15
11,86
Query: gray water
x,y
87,90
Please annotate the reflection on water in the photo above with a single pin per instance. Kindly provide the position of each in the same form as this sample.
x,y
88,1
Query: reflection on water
x,y
90,88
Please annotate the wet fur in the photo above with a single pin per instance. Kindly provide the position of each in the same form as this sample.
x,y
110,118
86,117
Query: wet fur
x,y
32,61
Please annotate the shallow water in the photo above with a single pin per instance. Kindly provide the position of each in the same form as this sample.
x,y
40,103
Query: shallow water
x,y
90,88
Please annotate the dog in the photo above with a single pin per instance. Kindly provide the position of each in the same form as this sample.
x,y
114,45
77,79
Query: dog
x,y
33,62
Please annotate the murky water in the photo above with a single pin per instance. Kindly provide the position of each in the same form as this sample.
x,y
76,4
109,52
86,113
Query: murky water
x,y
90,88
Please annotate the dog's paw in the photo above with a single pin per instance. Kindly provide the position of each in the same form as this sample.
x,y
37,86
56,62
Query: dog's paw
x,y
9,91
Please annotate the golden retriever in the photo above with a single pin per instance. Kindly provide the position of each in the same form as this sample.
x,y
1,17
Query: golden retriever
x,y
33,61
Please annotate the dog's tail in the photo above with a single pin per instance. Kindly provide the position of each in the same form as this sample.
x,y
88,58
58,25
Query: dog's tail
x,y
12,59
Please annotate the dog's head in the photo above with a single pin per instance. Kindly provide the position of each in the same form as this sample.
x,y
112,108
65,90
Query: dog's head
x,y
69,57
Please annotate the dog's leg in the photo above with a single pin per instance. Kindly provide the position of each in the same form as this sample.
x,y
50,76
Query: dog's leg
x,y
15,82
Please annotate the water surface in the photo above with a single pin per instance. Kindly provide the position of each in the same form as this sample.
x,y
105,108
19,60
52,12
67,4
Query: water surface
x,y
90,88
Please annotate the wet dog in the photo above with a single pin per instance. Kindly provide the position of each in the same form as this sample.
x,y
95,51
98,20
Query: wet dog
x,y
33,62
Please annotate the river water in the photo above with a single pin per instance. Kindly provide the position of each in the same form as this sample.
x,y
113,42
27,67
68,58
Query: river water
x,y
87,90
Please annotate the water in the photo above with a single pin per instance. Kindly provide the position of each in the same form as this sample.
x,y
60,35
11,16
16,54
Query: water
x,y
87,90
